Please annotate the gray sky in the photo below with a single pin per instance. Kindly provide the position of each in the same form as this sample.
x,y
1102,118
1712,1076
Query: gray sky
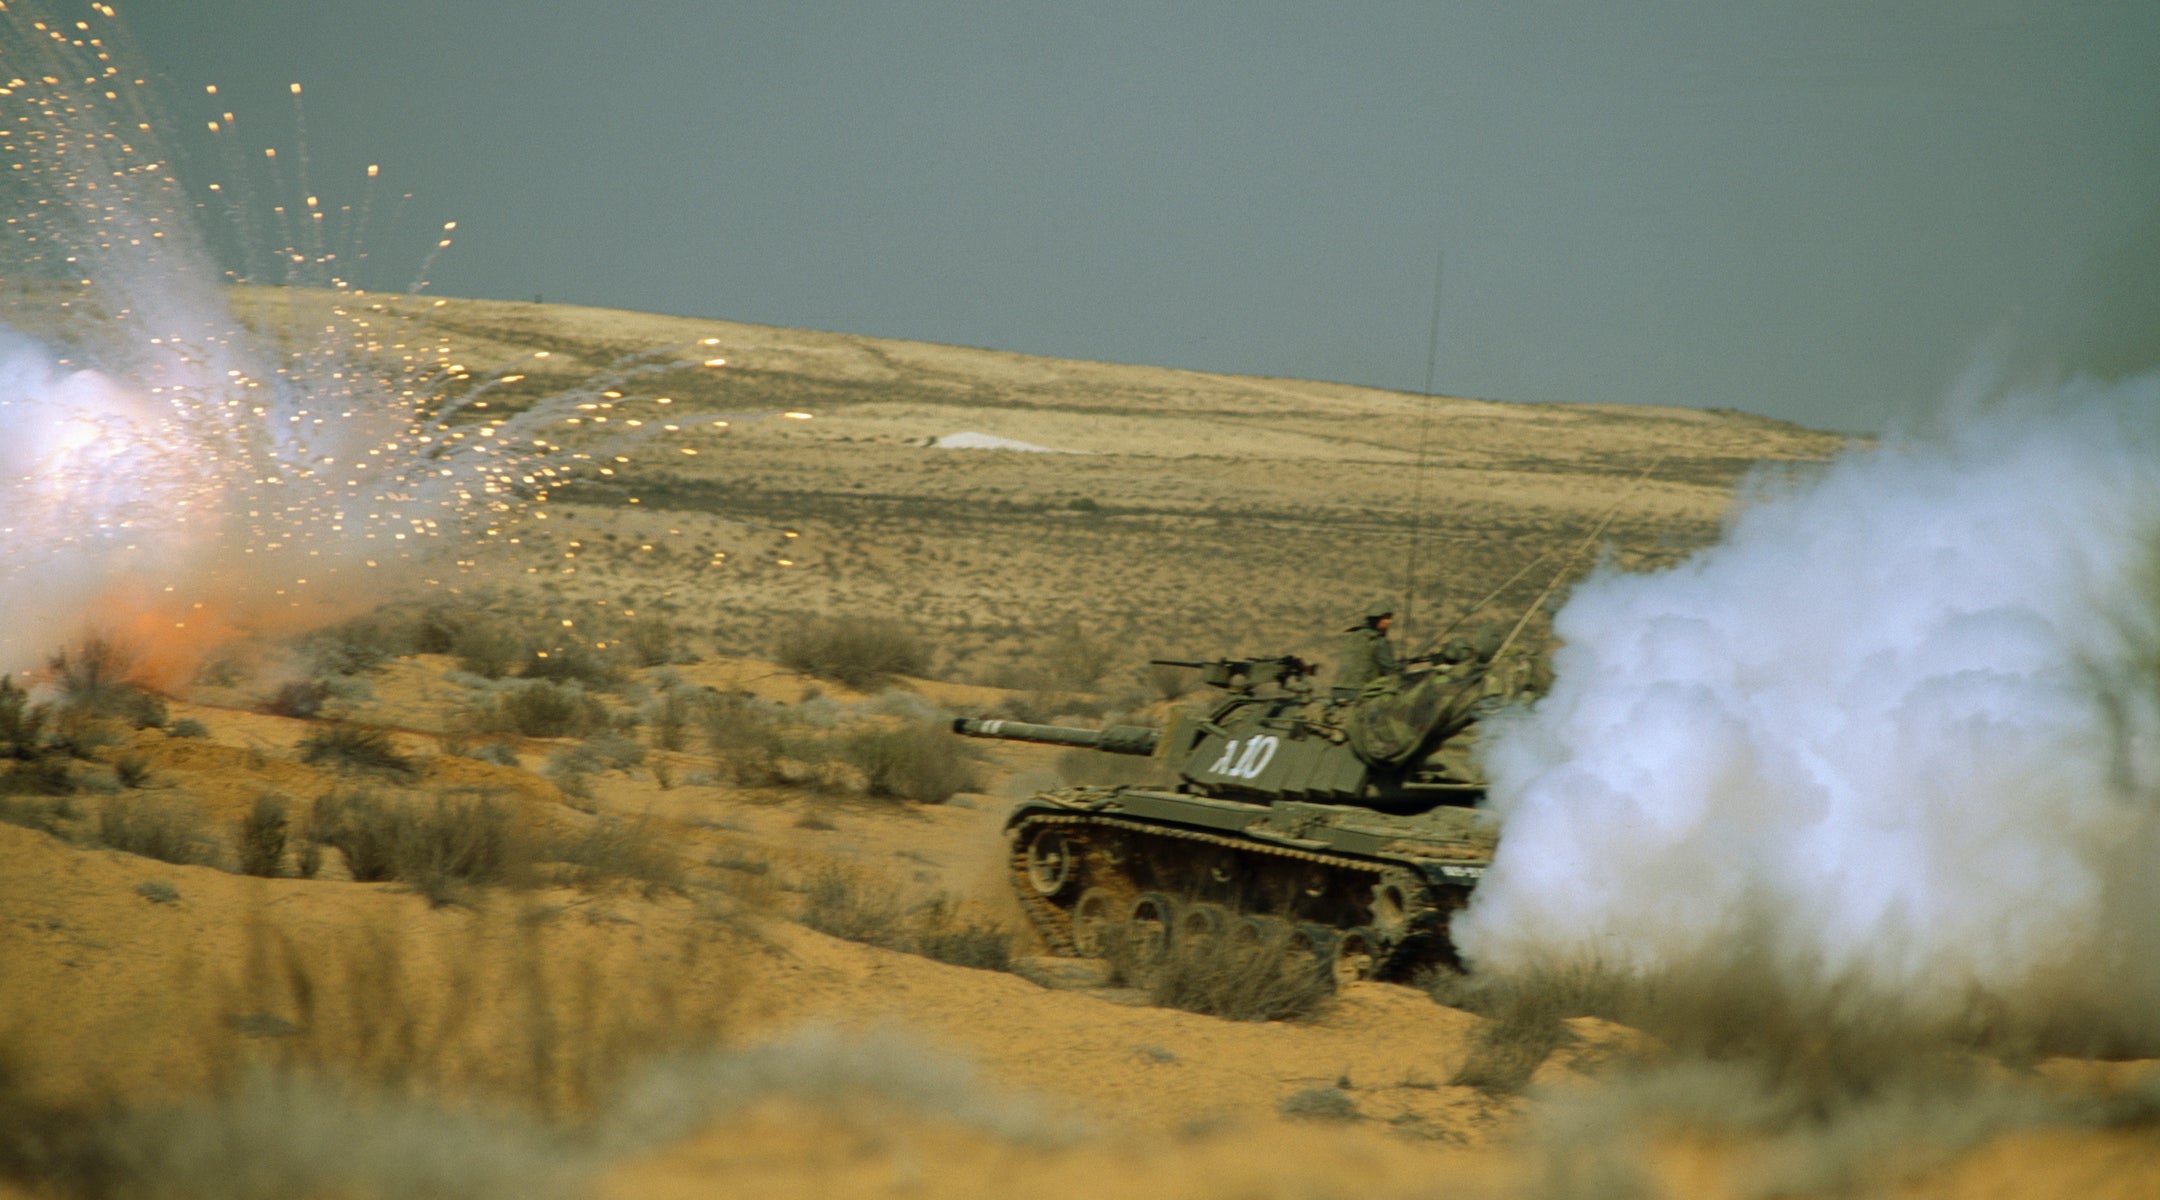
x,y
1817,211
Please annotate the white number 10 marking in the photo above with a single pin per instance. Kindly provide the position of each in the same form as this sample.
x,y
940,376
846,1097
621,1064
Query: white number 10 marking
x,y
1259,752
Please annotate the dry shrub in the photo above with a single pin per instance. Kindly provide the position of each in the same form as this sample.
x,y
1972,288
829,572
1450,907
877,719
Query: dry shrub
x,y
1524,1012
1264,980
838,904
24,727
507,1062
918,761
940,933
81,734
844,905
1074,659
31,746
131,770
570,769
1865,1130
1060,664
574,662
363,829
355,1066
435,626
828,1071
438,847
1507,1051
1320,1104
357,646
1846,1089
357,748
1743,1008
613,849
227,666
174,833
262,836
269,1134
502,754
1506,1054
145,709
301,699
856,651
669,718
612,751
489,649
541,709
42,814
747,737
42,1142
653,642
45,775
384,1082
96,676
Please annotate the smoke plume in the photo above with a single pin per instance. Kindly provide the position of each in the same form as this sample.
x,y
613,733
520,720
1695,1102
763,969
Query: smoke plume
x,y
1894,742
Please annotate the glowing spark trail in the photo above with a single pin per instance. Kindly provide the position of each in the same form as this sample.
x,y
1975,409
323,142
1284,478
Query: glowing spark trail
x,y
162,466
180,462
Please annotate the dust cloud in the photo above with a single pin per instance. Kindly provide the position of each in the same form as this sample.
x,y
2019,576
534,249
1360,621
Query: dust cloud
x,y
1893,744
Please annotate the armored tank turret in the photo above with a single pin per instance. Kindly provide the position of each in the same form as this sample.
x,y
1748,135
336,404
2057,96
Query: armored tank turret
x,y
1341,824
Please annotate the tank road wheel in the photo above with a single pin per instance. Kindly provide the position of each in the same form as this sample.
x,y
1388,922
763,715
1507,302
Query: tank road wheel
x,y
1148,928
1253,933
1392,899
1310,950
1094,915
1053,864
1357,956
1200,925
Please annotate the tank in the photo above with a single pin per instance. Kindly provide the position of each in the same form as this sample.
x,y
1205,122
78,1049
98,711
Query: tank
x,y
1339,824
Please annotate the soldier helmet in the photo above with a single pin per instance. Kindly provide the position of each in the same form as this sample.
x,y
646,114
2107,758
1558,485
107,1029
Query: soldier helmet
x,y
1378,609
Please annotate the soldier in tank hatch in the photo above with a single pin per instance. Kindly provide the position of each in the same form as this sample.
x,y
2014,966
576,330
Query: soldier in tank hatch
x,y
1366,653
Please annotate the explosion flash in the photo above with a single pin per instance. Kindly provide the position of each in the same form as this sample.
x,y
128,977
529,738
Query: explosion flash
x,y
168,469
160,456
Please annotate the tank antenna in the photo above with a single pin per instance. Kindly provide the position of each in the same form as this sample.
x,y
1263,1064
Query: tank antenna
x,y
1575,552
1417,480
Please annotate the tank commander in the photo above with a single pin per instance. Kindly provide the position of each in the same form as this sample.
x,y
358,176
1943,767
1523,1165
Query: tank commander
x,y
1366,654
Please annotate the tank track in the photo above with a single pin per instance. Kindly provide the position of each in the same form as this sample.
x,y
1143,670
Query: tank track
x,y
1420,936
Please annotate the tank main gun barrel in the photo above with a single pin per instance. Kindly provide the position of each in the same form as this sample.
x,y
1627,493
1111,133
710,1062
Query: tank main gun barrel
x,y
1118,739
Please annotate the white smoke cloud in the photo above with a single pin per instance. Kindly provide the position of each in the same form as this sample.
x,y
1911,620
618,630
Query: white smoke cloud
x,y
1898,735
177,491
98,490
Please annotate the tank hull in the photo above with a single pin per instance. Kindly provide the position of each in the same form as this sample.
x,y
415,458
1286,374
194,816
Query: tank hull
x,y
1367,893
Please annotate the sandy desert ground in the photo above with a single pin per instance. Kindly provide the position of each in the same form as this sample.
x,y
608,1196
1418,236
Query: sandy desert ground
x,y
613,980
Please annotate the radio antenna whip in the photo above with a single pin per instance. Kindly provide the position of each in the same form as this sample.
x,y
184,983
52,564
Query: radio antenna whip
x,y
1417,480
1589,539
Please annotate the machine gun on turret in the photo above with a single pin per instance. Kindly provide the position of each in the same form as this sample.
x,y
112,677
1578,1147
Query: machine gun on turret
x,y
1242,675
